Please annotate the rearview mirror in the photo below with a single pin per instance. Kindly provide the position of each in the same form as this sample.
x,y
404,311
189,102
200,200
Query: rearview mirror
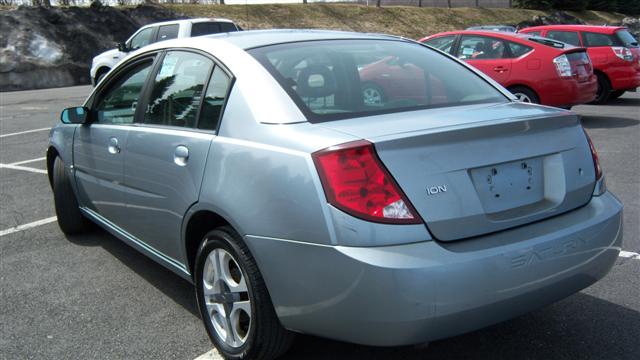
x,y
74,115
122,47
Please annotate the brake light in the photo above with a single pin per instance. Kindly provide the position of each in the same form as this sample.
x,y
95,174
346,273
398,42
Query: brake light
x,y
563,66
623,53
356,182
594,156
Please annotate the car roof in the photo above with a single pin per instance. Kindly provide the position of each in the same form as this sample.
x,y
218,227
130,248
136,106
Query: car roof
x,y
591,28
258,38
195,20
522,37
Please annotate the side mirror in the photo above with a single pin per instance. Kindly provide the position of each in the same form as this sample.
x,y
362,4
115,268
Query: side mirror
x,y
122,47
74,115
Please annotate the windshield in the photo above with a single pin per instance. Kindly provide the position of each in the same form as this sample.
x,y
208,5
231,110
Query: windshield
x,y
338,79
627,39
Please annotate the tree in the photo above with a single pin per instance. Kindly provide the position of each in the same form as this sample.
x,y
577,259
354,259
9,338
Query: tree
x,y
449,4
629,7
533,4
378,3
569,4
603,5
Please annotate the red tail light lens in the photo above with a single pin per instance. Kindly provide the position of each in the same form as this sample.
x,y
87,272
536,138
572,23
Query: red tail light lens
x,y
594,155
356,182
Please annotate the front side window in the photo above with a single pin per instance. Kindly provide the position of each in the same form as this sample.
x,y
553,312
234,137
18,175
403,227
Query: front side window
x,y
331,80
443,43
214,100
118,104
569,37
143,38
481,48
177,89
167,32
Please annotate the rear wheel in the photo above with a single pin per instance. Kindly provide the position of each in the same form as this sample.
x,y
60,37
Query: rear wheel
x,y
616,94
70,218
604,90
525,94
234,302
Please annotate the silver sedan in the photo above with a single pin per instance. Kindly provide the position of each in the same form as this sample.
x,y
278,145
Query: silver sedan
x,y
364,188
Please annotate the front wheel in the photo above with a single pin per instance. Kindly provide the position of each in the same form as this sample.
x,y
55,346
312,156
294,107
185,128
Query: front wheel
x,y
234,302
70,219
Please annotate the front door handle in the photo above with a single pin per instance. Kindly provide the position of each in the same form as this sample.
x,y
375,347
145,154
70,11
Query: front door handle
x,y
113,146
181,155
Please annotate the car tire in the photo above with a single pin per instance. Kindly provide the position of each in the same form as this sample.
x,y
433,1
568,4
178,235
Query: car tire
x,y
616,94
604,90
524,94
235,297
372,94
70,219
101,76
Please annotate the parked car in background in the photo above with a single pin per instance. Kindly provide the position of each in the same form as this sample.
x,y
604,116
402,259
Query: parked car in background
x,y
251,166
505,28
534,69
614,53
155,32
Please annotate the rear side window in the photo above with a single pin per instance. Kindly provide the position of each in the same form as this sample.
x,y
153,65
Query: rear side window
x,y
626,38
569,37
339,79
167,32
444,43
481,48
518,50
177,89
536,33
227,27
214,100
204,28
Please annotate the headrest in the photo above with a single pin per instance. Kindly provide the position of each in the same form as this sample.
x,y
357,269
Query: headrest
x,y
316,81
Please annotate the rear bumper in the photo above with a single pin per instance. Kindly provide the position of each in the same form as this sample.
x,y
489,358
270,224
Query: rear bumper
x,y
408,294
565,93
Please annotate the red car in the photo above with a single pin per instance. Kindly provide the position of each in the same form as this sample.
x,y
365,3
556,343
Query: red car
x,y
534,69
613,50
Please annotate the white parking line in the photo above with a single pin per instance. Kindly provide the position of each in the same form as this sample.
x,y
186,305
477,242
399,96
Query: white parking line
x,y
210,355
24,132
27,226
23,168
630,255
28,161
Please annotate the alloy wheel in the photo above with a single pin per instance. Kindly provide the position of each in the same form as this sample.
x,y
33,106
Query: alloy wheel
x,y
226,298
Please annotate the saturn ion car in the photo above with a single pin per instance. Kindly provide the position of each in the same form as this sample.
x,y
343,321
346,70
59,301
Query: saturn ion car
x,y
250,164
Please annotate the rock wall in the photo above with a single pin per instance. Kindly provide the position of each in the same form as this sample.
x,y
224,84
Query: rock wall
x,y
53,47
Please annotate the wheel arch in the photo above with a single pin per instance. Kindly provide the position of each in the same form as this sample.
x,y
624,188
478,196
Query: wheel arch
x,y
199,222
524,85
103,69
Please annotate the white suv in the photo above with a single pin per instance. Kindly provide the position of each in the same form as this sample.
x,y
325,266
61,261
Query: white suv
x,y
151,33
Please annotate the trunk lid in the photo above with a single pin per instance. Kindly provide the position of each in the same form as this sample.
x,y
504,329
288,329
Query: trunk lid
x,y
472,170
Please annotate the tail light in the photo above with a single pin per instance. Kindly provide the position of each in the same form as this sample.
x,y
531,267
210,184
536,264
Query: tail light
x,y
594,156
563,66
356,182
623,53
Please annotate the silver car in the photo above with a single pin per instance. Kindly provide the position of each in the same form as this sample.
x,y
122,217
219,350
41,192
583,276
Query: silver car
x,y
257,166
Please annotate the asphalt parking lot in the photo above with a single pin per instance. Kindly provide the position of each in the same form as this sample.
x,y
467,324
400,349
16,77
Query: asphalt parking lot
x,y
93,297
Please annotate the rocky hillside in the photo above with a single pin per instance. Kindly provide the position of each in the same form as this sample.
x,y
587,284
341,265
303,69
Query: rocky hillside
x,y
53,47
50,47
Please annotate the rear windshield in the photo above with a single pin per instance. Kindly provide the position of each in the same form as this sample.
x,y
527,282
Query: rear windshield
x,y
207,28
626,38
338,79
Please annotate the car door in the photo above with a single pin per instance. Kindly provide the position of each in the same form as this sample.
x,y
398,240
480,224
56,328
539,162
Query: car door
x,y
487,54
142,38
167,150
99,147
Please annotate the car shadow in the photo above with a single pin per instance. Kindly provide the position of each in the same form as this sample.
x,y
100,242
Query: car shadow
x,y
607,122
581,326
170,284
623,101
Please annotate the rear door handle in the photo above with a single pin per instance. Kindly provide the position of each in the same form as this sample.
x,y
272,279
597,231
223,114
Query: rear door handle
x,y
500,69
112,146
181,155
